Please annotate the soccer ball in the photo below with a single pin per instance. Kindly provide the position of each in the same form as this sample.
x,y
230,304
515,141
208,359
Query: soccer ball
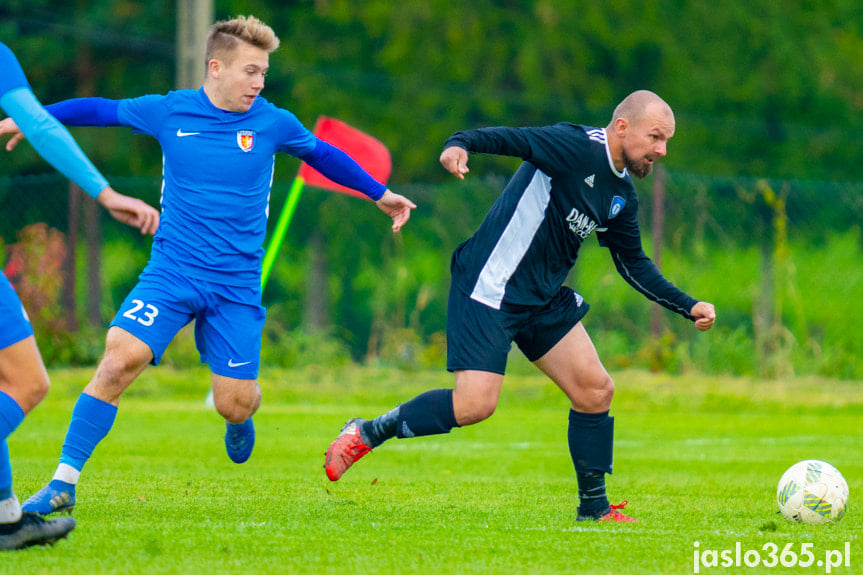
x,y
812,491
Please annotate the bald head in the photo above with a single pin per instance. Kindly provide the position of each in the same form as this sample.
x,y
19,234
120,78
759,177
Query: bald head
x,y
640,128
637,105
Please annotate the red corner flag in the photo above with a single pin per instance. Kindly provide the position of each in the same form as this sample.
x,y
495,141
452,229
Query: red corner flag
x,y
370,153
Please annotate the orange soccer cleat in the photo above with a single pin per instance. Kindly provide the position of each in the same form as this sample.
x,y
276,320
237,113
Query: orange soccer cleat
x,y
346,450
616,516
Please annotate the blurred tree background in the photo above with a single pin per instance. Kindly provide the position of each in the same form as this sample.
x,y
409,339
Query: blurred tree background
x,y
762,193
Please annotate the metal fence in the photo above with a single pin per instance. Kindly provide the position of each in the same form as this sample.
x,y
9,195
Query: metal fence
x,y
700,214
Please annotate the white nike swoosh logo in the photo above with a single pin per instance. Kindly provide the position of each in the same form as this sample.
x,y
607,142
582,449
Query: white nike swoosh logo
x,y
182,134
232,364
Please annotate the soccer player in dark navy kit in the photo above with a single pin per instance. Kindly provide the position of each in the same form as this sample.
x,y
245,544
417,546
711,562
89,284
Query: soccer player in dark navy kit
x,y
507,285
218,146
23,379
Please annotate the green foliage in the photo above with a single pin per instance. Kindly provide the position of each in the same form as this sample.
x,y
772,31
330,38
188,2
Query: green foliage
x,y
64,348
387,293
775,109
122,262
34,269
698,458
821,289
284,347
780,100
182,353
827,281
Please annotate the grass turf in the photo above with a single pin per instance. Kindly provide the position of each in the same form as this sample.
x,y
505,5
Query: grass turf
x,y
698,458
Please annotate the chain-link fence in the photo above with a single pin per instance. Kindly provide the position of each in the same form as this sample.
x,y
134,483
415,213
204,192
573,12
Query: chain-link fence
x,y
780,259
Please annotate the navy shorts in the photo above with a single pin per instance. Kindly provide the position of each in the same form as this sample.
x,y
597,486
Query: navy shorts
x,y
228,319
479,337
13,318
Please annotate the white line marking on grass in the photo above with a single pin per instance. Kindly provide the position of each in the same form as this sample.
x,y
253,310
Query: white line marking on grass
x,y
475,446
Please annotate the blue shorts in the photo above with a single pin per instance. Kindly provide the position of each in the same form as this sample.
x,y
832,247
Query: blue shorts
x,y
479,337
228,319
13,318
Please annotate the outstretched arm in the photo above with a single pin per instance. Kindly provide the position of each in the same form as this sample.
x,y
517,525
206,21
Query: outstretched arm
x,y
640,272
56,145
74,112
623,239
342,169
553,149
49,138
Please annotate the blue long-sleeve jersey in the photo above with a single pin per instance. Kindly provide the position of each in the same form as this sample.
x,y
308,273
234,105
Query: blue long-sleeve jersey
x,y
217,173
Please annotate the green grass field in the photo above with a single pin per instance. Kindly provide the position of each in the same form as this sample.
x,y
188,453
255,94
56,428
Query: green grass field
x,y
698,459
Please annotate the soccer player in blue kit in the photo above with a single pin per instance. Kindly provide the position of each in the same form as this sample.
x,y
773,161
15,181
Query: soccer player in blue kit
x,y
218,145
507,285
23,379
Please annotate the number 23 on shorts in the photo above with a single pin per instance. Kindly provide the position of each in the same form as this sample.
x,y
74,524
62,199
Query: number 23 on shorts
x,y
145,314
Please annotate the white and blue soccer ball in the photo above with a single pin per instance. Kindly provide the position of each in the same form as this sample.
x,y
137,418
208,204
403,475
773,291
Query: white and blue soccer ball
x,y
812,491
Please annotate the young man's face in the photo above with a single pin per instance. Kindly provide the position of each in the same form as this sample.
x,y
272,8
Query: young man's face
x,y
239,77
646,141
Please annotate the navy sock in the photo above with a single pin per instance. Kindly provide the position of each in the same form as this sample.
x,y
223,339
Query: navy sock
x,y
592,499
591,439
430,413
381,428
92,419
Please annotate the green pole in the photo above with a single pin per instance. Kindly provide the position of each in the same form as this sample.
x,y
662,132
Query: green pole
x,y
275,242
281,228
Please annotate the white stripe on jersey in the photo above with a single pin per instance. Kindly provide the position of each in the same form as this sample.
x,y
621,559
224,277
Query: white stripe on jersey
x,y
599,135
514,242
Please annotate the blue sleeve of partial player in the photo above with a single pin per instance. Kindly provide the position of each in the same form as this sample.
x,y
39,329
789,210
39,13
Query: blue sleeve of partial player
x,y
52,140
12,75
86,112
343,169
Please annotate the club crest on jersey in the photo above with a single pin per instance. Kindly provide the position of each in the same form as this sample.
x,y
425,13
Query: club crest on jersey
x,y
246,140
580,224
617,204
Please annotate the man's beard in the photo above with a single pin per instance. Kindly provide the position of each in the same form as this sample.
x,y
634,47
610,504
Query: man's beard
x,y
637,169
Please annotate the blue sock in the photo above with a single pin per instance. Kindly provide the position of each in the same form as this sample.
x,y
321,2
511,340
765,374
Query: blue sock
x,y
591,439
91,421
429,413
5,472
11,416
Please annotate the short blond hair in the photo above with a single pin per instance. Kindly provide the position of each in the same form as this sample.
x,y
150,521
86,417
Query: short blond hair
x,y
225,36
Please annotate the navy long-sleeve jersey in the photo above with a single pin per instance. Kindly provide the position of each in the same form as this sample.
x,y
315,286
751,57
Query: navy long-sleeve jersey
x,y
566,189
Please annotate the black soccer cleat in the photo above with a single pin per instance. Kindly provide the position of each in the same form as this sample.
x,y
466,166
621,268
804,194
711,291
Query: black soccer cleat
x,y
33,529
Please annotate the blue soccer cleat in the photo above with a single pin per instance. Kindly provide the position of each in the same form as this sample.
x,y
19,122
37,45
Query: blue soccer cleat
x,y
31,529
240,440
56,496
